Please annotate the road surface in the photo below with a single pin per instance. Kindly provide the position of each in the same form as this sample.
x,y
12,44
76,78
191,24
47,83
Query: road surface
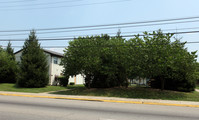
x,y
24,108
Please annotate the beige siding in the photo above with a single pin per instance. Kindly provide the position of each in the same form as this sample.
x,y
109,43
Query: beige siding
x,y
55,69
18,56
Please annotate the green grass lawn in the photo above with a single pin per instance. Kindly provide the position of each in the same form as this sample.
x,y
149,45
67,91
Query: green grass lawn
x,y
132,92
13,88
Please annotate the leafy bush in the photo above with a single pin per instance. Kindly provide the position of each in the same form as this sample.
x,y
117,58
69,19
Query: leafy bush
x,y
72,83
63,81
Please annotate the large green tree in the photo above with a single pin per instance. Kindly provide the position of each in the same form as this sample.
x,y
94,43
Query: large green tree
x,y
110,61
168,63
158,51
33,66
101,59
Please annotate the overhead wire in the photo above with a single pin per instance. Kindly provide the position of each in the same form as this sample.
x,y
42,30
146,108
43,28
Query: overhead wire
x,y
40,4
65,39
191,42
104,28
94,29
123,36
16,1
107,25
106,33
66,6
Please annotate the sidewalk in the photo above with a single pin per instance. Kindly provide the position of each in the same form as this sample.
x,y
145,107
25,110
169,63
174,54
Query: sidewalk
x,y
105,99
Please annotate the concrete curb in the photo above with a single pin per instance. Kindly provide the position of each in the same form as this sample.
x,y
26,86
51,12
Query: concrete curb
x,y
102,100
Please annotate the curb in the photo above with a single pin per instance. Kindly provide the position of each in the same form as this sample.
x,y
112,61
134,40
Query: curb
x,y
102,100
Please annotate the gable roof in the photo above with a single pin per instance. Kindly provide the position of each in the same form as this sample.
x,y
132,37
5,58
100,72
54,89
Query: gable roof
x,y
47,51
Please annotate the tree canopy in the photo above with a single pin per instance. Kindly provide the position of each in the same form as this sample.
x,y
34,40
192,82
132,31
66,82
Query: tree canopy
x,y
111,61
96,58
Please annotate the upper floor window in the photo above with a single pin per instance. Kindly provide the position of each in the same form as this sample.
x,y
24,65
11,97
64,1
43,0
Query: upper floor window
x,y
55,60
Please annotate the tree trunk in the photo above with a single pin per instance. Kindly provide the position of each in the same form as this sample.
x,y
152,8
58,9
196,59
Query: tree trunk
x,y
126,82
89,82
162,83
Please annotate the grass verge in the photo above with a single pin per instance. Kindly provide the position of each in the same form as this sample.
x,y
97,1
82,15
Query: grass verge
x,y
132,92
13,88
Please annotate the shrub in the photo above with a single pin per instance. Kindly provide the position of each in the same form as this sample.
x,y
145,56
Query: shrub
x,y
63,81
72,83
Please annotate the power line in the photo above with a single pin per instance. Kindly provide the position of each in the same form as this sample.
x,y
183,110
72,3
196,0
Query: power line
x,y
106,25
191,42
66,39
105,28
63,6
16,1
121,27
108,33
40,4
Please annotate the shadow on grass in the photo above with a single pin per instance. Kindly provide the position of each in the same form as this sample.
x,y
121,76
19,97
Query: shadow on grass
x,y
15,88
132,92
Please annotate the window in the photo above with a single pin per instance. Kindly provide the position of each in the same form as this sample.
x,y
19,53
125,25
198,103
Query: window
x,y
55,60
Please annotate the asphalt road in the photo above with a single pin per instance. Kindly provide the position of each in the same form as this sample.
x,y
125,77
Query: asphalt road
x,y
23,108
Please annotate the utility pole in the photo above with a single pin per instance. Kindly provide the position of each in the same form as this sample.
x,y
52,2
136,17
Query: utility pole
x,y
119,33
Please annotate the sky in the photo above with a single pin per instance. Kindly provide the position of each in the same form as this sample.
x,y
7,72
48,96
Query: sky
x,y
39,14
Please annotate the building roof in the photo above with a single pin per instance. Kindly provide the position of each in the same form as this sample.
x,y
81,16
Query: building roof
x,y
54,53
47,51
